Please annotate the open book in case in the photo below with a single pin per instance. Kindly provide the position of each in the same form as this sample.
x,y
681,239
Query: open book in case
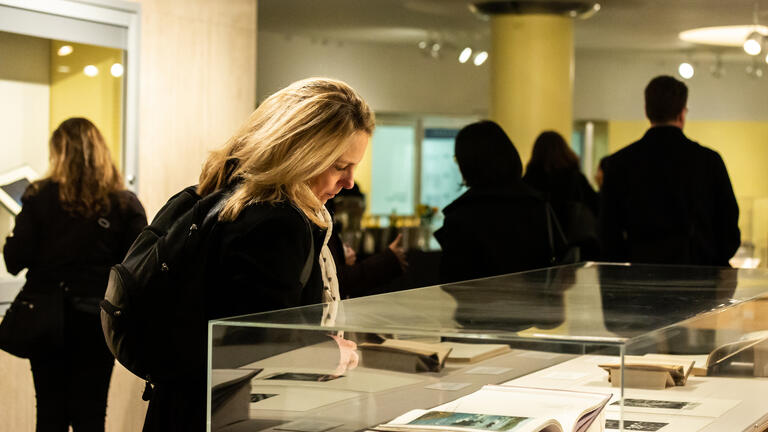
x,y
544,350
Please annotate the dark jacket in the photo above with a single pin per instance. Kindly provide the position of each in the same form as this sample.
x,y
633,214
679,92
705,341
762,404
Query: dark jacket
x,y
667,200
253,265
575,204
59,248
256,261
493,230
366,275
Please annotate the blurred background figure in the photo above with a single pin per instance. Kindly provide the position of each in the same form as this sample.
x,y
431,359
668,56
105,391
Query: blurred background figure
x,y
499,224
554,171
358,277
666,199
74,225
600,172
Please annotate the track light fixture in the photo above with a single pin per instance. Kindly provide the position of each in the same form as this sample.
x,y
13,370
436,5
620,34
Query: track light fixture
x,y
466,53
480,58
685,70
754,43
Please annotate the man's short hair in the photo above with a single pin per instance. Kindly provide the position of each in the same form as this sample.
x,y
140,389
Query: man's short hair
x,y
665,98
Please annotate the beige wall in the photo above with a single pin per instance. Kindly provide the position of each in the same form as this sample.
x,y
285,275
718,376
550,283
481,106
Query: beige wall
x,y
197,85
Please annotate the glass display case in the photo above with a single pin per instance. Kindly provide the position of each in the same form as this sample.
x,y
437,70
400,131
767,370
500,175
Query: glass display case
x,y
669,348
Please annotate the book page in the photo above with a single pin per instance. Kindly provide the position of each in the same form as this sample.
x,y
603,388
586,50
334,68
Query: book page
x,y
435,419
566,407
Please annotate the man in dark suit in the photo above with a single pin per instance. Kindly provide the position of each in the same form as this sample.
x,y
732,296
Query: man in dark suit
x,y
666,199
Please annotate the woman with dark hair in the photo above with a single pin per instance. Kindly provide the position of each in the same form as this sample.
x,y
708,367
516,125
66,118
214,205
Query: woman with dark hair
x,y
499,225
73,226
554,171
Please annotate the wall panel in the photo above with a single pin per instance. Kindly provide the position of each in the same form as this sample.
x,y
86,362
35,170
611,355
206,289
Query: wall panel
x,y
197,85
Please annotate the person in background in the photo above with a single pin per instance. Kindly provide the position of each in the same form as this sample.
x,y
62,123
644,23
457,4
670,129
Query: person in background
x,y
73,226
666,199
554,171
599,173
297,150
359,277
499,224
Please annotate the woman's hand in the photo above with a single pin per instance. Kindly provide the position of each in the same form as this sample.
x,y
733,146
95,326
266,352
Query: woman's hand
x,y
348,357
399,251
350,257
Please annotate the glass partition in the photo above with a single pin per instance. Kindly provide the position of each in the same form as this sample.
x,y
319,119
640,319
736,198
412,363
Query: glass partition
x,y
664,344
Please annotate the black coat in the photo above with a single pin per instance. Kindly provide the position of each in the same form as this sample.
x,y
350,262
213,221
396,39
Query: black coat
x,y
575,203
59,248
366,275
667,200
493,230
256,261
253,265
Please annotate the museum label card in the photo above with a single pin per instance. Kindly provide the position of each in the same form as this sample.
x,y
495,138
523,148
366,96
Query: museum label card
x,y
663,404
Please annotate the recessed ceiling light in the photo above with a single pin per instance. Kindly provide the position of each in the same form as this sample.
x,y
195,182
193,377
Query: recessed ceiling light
x,y
116,70
91,70
65,50
723,35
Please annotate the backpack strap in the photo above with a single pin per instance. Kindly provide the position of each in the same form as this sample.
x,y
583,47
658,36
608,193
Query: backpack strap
x,y
552,220
306,272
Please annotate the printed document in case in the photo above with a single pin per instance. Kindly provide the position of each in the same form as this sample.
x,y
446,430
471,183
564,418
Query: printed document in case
x,y
510,409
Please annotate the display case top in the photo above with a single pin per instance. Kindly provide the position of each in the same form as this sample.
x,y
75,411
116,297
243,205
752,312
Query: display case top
x,y
603,303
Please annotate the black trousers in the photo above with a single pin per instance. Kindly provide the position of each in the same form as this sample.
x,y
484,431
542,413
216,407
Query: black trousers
x,y
72,380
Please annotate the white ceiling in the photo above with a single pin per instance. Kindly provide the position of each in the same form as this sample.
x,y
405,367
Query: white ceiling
x,y
646,25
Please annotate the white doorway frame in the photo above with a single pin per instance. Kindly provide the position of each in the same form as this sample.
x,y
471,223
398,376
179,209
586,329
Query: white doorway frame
x,y
118,13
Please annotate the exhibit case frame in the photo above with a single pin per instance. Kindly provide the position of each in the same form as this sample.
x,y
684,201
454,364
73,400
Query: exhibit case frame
x,y
672,348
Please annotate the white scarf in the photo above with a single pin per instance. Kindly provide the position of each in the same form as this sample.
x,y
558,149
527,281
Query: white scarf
x,y
327,265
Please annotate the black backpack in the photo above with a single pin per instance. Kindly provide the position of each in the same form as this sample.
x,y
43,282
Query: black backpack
x,y
153,313
153,305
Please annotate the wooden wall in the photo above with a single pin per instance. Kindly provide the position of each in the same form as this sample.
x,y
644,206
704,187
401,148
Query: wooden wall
x,y
197,85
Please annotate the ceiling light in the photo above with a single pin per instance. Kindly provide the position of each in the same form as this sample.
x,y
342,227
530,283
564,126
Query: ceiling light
x,y
116,70
733,36
423,44
466,53
65,50
685,70
91,70
63,69
753,45
480,58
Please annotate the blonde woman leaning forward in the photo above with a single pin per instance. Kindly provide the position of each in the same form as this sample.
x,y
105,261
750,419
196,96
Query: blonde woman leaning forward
x,y
74,224
296,151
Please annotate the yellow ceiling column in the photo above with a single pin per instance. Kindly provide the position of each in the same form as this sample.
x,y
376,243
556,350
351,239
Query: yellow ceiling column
x,y
531,76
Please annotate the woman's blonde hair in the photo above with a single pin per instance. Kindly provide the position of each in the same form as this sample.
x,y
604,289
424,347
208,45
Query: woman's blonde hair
x,y
79,161
291,138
